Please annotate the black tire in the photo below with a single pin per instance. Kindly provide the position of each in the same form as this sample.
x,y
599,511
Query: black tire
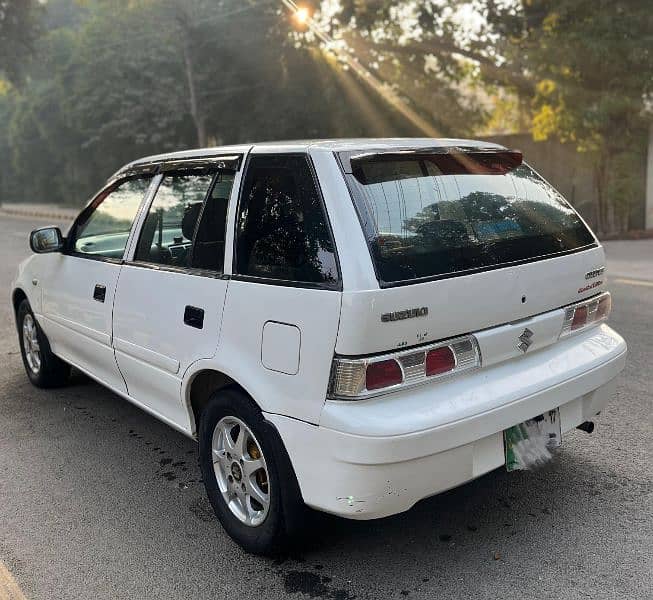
x,y
52,372
286,509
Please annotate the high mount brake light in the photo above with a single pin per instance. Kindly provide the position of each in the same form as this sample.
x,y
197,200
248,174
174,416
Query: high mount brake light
x,y
583,314
357,378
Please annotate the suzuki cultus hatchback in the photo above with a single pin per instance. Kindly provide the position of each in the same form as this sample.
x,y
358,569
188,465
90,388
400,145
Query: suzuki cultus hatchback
x,y
347,325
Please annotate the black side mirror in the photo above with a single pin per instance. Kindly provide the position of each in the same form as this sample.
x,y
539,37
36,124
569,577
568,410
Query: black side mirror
x,y
46,239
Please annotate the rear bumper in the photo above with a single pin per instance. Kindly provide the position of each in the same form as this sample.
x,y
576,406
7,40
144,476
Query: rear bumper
x,y
388,453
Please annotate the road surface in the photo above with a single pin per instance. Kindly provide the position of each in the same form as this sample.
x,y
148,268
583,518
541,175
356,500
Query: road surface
x,y
99,500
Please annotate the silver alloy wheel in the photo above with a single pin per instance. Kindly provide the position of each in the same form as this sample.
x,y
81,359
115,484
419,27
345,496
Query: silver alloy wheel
x,y
31,344
241,471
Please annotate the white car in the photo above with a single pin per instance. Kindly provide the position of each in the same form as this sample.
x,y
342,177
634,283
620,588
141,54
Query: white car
x,y
349,325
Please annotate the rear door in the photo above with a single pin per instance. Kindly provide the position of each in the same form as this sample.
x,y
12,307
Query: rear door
x,y
79,284
170,296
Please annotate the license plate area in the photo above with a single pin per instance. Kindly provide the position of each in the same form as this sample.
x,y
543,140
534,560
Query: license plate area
x,y
530,444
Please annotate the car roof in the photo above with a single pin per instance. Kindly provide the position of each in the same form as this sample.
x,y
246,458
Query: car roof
x,y
329,145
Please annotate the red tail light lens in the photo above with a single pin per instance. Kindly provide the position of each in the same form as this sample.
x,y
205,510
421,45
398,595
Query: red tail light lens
x,y
440,361
580,318
383,374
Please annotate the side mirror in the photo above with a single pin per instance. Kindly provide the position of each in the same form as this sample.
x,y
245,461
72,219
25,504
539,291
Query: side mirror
x,y
46,239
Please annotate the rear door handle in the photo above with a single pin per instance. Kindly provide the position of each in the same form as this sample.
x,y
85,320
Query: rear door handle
x,y
100,292
194,317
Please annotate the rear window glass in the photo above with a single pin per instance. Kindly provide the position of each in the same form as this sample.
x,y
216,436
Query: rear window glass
x,y
423,218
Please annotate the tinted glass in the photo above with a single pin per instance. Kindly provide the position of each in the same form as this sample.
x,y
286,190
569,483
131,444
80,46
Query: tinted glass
x,y
421,221
106,229
282,229
170,224
208,251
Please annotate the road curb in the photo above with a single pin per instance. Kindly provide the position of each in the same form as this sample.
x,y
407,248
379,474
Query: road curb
x,y
42,214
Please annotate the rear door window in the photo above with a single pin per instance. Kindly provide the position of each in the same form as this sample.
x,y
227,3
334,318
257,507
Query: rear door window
x,y
168,231
282,228
208,250
427,216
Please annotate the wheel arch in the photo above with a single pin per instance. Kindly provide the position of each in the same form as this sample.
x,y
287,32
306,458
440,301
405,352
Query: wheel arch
x,y
201,381
17,296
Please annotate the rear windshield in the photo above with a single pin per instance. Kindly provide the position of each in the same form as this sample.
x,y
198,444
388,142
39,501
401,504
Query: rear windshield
x,y
427,216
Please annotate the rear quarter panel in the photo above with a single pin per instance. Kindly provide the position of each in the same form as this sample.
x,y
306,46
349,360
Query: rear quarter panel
x,y
301,391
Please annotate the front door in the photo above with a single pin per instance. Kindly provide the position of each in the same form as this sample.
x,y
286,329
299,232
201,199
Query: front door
x,y
79,284
170,296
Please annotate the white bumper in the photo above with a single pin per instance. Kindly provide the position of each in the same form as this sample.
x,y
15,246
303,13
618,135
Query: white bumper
x,y
378,457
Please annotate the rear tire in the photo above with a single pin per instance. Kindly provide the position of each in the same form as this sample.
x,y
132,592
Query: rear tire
x,y
44,369
249,481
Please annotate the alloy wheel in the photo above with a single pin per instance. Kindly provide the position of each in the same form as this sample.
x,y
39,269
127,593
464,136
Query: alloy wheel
x,y
31,344
241,471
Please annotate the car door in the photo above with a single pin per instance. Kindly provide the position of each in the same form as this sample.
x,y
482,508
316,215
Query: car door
x,y
78,285
170,296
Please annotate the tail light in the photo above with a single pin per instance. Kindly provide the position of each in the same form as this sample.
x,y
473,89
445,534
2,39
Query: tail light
x,y
439,361
583,314
357,378
383,374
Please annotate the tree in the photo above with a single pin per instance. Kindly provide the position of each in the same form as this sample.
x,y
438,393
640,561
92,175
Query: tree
x,y
581,69
19,28
412,47
114,80
592,64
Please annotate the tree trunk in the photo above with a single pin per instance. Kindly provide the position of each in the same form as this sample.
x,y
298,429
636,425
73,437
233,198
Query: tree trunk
x,y
599,171
195,111
608,217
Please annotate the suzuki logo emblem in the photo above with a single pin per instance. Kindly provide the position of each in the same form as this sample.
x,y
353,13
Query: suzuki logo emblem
x,y
525,340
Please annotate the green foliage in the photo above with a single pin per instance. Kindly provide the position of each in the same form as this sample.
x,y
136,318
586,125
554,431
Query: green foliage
x,y
114,80
592,65
18,31
582,68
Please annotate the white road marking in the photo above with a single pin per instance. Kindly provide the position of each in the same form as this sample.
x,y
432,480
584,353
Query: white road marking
x,y
9,589
633,282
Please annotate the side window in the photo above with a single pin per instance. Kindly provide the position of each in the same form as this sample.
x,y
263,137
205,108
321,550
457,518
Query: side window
x,y
282,231
208,250
167,233
104,232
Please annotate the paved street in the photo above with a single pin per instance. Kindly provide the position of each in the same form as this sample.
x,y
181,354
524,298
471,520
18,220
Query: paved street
x,y
98,500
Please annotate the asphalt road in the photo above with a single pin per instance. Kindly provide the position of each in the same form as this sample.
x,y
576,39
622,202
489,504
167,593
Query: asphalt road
x,y
99,500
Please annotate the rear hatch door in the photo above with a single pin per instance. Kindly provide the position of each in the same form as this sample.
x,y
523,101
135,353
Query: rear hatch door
x,y
462,240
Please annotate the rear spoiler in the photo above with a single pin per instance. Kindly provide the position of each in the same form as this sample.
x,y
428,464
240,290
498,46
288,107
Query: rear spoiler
x,y
450,160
